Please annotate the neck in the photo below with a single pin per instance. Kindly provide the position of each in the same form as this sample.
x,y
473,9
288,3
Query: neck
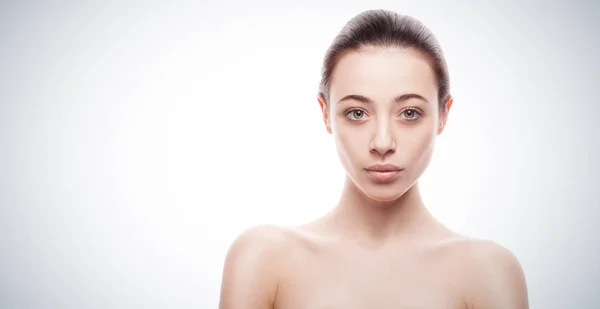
x,y
375,222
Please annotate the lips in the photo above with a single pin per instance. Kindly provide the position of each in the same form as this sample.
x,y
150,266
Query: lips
x,y
383,168
383,173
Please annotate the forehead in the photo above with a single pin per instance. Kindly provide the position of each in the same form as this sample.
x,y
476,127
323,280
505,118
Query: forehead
x,y
383,73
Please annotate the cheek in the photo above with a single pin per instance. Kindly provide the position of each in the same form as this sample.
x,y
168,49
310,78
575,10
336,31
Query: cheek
x,y
419,146
350,144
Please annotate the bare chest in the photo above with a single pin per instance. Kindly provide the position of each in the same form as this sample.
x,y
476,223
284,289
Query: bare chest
x,y
336,281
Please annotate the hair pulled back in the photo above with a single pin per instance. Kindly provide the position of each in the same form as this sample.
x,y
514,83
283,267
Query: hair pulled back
x,y
383,28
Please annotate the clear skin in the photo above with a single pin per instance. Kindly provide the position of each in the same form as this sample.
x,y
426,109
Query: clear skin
x,y
379,247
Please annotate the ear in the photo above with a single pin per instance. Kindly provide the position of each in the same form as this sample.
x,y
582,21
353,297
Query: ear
x,y
444,115
324,112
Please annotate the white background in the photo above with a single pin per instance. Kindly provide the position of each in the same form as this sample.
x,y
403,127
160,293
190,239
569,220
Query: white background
x,y
137,140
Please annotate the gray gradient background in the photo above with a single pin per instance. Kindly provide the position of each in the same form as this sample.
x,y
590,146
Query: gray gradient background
x,y
114,119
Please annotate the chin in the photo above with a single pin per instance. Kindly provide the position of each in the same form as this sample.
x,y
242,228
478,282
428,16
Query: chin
x,y
384,195
384,192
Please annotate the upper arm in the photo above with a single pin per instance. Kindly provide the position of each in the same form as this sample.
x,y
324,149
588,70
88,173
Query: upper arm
x,y
498,280
250,272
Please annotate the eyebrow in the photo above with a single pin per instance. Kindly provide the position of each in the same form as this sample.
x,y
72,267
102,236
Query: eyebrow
x,y
398,99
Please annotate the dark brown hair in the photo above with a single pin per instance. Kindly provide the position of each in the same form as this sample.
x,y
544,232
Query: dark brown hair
x,y
383,28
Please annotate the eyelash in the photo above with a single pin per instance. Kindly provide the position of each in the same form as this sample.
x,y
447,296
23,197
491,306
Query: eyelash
x,y
419,114
349,112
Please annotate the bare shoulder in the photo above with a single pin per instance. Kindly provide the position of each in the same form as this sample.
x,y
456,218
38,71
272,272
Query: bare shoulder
x,y
252,264
263,237
494,275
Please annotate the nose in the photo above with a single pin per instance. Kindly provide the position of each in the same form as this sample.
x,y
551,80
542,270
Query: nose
x,y
383,141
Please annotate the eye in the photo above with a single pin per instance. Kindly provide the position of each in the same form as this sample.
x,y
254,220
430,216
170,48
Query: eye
x,y
410,114
355,114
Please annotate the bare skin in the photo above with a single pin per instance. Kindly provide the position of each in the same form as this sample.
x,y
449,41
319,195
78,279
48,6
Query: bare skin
x,y
379,247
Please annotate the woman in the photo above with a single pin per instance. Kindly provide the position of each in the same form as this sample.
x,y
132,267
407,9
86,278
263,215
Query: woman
x,y
384,97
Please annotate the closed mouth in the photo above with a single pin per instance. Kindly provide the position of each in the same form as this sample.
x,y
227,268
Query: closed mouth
x,y
384,168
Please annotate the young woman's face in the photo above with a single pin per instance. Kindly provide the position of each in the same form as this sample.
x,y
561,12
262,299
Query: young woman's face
x,y
383,110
